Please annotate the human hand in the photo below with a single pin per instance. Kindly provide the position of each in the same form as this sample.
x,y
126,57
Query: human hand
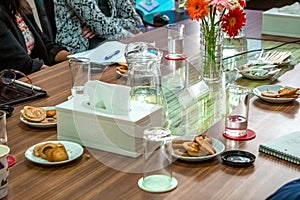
x,y
87,32
44,67
62,56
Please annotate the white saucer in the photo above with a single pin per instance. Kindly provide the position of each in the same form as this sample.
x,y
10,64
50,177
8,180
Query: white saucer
x,y
74,151
272,88
172,186
218,145
49,124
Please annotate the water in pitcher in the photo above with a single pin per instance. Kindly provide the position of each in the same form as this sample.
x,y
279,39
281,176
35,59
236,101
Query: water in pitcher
x,y
145,94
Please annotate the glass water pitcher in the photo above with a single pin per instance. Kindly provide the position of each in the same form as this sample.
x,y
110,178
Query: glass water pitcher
x,y
144,75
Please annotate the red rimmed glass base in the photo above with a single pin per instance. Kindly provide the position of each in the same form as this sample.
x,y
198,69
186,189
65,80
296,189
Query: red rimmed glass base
x,y
249,136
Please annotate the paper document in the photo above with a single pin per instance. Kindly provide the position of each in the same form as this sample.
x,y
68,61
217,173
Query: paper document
x,y
108,52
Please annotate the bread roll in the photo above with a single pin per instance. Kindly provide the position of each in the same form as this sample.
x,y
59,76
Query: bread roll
x,y
34,114
52,152
57,154
50,113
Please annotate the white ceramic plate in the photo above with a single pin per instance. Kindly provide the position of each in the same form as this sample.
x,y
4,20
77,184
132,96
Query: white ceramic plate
x,y
49,124
74,151
218,145
258,72
258,76
271,88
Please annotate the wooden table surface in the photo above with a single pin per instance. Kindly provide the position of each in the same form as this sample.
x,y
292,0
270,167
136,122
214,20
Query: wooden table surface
x,y
102,175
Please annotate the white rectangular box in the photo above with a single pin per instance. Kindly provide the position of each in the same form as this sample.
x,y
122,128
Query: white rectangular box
x,y
120,134
281,24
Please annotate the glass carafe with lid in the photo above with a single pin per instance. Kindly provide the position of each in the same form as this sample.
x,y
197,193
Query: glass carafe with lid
x,y
144,75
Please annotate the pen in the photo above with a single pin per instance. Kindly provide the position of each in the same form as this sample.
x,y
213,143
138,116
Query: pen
x,y
27,85
109,56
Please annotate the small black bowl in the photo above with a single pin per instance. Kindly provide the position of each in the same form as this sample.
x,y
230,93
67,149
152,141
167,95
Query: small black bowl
x,y
237,158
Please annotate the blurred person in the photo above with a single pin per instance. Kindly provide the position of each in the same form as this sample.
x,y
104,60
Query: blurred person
x,y
84,24
23,46
289,191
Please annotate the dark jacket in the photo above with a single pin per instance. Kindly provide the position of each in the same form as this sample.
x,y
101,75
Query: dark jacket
x,y
13,52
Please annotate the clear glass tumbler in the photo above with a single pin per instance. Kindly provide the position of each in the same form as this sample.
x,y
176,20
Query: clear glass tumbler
x,y
3,131
80,74
237,109
157,176
175,38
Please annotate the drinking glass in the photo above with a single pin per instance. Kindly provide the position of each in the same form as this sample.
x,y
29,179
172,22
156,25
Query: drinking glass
x,y
179,6
3,132
4,171
175,38
157,176
176,72
237,109
80,74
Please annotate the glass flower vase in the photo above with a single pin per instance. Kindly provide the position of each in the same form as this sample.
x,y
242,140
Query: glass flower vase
x,y
211,52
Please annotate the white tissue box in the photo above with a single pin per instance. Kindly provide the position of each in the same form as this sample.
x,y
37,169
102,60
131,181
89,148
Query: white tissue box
x,y
120,134
281,24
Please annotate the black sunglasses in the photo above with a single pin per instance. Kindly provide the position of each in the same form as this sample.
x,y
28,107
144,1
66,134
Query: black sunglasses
x,y
8,76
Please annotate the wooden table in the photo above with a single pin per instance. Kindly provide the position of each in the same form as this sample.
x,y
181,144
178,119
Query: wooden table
x,y
102,175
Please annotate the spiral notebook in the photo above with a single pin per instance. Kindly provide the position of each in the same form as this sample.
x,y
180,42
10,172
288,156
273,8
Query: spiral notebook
x,y
286,147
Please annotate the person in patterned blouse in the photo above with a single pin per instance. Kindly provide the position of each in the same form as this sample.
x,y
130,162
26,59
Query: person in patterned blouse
x,y
23,46
83,24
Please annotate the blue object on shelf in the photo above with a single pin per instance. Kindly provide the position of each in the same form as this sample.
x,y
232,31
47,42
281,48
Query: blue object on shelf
x,y
148,4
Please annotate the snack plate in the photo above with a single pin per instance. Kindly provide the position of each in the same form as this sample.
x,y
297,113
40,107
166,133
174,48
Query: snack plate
x,y
74,151
218,145
39,124
258,72
272,88
257,76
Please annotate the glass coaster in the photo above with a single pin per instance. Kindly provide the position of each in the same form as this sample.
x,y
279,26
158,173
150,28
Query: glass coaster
x,y
249,136
172,186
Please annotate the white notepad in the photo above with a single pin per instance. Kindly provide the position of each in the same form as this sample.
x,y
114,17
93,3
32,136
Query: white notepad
x,y
286,147
105,53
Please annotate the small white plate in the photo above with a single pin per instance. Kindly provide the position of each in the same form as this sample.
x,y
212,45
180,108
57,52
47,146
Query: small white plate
x,y
249,75
218,145
272,88
257,76
40,124
258,72
74,151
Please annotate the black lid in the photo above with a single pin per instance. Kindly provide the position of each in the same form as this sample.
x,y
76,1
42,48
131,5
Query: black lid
x,y
237,158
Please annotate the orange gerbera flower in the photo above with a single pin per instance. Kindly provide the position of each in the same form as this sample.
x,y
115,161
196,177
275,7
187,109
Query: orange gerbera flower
x,y
233,21
197,9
